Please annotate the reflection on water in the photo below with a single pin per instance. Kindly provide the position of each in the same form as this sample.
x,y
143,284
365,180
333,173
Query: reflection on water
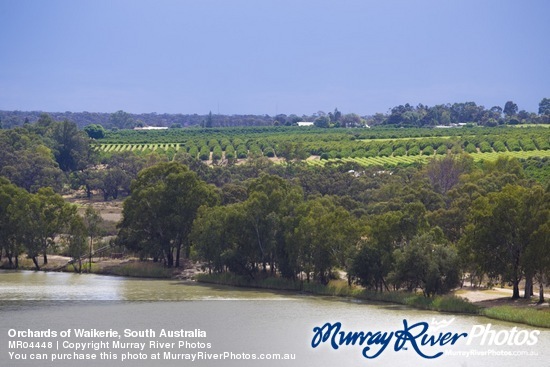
x,y
50,286
27,285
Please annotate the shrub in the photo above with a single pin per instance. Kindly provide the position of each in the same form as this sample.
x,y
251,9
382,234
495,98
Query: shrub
x,y
269,152
499,146
485,147
230,152
386,152
513,145
140,269
527,144
442,149
542,143
193,151
224,143
399,152
359,153
335,154
242,152
217,153
345,153
170,153
255,150
204,153
470,148
413,150
428,150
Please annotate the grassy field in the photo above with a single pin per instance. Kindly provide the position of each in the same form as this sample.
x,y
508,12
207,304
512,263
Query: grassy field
x,y
529,316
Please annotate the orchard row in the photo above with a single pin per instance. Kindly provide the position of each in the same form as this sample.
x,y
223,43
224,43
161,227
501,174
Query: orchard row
x,y
392,146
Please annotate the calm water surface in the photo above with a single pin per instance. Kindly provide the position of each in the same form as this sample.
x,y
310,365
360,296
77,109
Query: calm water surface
x,y
235,320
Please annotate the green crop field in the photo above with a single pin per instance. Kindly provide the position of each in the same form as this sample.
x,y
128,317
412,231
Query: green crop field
x,y
393,161
366,147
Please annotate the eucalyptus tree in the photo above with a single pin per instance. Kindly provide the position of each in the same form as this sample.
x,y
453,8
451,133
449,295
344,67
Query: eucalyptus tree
x,y
270,200
158,215
501,233
324,237
91,221
75,240
27,162
210,236
71,146
428,263
10,227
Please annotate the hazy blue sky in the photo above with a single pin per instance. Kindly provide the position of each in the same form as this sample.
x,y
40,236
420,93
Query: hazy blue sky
x,y
267,56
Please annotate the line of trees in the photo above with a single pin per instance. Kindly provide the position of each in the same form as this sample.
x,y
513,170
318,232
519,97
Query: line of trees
x,y
37,224
420,115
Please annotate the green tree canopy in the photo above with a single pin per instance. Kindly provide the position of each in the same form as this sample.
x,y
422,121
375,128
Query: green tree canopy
x,y
510,109
501,229
544,106
95,131
71,147
158,215
428,263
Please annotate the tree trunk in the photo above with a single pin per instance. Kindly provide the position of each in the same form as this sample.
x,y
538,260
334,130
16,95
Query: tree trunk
x,y
91,250
515,295
178,250
79,269
385,285
187,248
528,287
45,258
541,293
35,261
170,259
17,261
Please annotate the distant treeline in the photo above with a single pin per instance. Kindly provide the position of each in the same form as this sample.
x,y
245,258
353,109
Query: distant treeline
x,y
403,115
124,120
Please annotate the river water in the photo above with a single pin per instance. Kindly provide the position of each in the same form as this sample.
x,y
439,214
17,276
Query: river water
x,y
236,325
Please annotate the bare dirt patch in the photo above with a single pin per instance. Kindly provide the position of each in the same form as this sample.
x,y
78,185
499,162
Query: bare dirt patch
x,y
496,297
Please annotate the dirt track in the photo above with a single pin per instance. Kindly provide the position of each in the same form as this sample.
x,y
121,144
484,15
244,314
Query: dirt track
x,y
496,297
